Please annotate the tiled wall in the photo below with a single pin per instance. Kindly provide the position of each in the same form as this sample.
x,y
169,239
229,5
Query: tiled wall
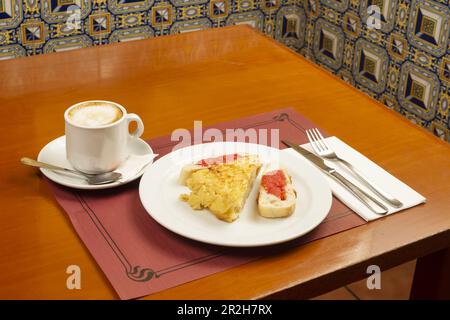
x,y
404,61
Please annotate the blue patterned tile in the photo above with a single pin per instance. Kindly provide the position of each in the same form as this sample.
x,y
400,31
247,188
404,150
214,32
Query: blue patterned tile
x,y
338,5
328,44
370,65
428,27
290,26
386,15
418,91
396,51
11,13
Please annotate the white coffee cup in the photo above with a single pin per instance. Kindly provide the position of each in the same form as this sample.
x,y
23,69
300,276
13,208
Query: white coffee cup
x,y
97,135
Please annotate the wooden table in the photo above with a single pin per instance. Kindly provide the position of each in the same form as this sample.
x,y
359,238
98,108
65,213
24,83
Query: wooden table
x,y
212,75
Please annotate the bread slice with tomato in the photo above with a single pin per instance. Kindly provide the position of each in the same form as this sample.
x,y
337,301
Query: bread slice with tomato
x,y
277,197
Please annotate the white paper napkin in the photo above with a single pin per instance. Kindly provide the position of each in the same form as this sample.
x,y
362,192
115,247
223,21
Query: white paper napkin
x,y
372,171
134,165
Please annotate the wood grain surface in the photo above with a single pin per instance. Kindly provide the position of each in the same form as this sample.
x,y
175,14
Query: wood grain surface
x,y
213,75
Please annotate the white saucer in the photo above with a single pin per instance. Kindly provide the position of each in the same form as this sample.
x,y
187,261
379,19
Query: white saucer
x,y
55,153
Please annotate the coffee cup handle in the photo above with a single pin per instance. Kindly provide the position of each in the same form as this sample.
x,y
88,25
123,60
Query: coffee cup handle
x,y
140,125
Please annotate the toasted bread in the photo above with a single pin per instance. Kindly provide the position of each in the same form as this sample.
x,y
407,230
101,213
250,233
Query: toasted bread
x,y
277,197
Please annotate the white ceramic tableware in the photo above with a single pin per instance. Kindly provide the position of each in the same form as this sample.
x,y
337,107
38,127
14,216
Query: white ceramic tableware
x,y
159,192
55,152
102,148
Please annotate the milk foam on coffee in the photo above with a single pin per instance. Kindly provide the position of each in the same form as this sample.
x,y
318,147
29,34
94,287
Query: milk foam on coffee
x,y
95,114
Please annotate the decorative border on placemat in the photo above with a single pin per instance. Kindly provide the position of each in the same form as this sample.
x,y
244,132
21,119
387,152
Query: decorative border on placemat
x,y
143,274
135,273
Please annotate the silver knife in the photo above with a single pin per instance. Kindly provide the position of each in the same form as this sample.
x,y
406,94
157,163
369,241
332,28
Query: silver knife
x,y
363,196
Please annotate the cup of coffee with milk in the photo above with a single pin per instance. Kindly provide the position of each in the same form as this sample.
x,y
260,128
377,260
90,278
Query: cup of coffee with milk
x,y
97,135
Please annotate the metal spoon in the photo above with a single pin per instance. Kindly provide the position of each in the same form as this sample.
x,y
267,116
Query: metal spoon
x,y
101,178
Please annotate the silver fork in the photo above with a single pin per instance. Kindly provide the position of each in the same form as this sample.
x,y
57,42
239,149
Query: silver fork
x,y
322,148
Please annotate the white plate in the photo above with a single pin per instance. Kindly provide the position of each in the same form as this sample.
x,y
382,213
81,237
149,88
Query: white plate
x,y
55,153
159,193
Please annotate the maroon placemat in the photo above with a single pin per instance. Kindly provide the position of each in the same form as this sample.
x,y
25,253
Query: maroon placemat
x,y
140,257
